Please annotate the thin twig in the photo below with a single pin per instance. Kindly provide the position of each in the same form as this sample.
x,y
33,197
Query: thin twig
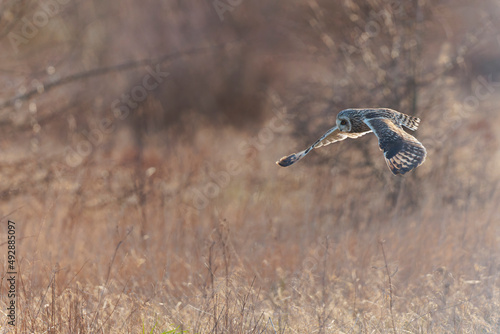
x,y
108,276
116,305
109,69
443,308
390,286
244,304
323,317
271,321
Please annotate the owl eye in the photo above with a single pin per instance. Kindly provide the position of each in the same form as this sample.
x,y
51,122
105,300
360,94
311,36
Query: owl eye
x,y
343,122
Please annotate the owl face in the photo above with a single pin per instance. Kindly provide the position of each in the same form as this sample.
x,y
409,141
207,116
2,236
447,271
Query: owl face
x,y
351,121
344,123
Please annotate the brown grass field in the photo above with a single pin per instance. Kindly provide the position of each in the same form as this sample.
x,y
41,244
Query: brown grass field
x,y
167,213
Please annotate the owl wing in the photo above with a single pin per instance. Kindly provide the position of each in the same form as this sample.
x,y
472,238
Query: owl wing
x,y
331,136
402,151
335,136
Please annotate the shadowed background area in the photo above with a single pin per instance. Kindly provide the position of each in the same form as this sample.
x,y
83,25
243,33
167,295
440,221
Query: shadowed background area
x,y
139,143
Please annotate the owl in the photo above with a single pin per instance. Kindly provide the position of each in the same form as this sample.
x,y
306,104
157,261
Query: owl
x,y
402,151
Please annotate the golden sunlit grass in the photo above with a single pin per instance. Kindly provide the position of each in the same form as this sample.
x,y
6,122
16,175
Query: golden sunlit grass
x,y
116,248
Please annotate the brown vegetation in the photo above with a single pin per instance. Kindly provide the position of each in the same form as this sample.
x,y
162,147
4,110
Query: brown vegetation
x,y
138,153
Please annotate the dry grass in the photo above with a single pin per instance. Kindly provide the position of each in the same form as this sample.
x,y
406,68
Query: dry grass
x,y
178,219
298,249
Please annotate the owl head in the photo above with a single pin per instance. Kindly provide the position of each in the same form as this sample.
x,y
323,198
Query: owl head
x,y
349,118
344,122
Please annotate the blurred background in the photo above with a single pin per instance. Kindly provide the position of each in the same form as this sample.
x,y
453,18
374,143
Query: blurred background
x,y
139,143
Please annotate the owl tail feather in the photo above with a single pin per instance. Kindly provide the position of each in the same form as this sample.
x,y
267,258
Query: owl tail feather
x,y
410,122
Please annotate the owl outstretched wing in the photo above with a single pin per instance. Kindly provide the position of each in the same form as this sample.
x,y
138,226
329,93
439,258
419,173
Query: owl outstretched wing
x,y
331,136
336,136
402,151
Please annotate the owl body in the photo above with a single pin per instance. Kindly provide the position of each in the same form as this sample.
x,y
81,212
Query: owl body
x,y
402,151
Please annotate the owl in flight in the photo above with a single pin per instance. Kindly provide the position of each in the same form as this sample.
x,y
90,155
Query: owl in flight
x,y
402,151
